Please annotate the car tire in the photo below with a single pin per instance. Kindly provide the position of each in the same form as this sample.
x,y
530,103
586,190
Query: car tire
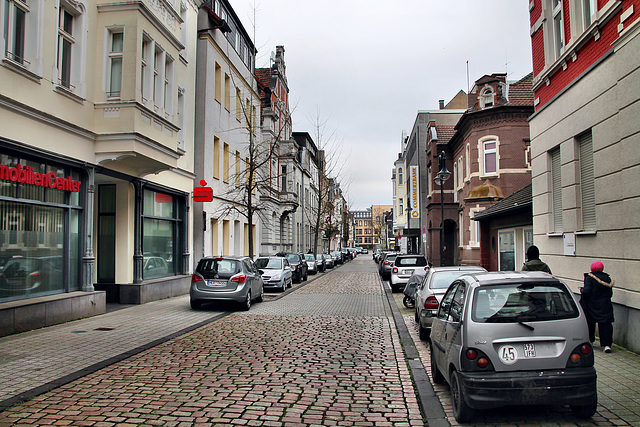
x,y
424,332
246,305
461,410
436,375
585,411
195,304
416,317
284,285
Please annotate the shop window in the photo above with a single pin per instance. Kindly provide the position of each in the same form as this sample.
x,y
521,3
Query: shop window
x,y
162,230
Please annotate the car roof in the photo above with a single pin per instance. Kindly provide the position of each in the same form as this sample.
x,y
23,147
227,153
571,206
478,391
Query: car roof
x,y
458,268
230,257
504,277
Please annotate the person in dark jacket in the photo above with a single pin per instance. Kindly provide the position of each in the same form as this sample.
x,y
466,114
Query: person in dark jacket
x,y
533,261
596,302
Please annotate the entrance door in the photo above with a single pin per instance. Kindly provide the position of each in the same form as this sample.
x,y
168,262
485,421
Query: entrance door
x,y
106,257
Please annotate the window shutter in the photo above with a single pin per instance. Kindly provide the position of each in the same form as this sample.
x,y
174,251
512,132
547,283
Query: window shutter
x,y
587,184
556,190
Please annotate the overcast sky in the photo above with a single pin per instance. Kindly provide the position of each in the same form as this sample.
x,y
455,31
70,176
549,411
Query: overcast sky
x,y
366,67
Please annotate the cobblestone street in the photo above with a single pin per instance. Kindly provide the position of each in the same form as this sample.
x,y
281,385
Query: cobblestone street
x,y
335,350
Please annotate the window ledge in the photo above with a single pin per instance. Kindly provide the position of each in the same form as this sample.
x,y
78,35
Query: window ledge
x,y
62,90
21,69
554,234
586,233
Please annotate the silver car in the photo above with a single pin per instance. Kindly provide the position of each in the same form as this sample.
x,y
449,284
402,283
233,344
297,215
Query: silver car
x,y
275,271
402,269
312,266
512,338
429,294
226,279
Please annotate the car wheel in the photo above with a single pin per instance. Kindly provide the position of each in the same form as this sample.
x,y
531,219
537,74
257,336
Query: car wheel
x,y
424,332
195,304
461,410
415,316
247,302
436,375
585,411
284,285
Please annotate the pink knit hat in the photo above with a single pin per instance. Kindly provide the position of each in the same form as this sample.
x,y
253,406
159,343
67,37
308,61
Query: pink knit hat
x,y
597,266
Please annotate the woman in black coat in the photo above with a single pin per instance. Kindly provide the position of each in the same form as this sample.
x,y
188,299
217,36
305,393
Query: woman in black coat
x,y
596,302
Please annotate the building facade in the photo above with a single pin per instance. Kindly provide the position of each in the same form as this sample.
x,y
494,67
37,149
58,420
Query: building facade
x,y
227,134
96,156
585,148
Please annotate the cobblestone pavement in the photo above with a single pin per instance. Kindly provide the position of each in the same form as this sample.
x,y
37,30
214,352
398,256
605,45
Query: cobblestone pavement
x,y
327,354
340,349
618,387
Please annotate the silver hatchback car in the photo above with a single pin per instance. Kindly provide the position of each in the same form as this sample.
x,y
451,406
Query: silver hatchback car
x,y
511,338
226,279
429,293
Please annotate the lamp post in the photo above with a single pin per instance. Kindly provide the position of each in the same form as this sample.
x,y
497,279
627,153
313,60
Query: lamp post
x,y
442,175
408,209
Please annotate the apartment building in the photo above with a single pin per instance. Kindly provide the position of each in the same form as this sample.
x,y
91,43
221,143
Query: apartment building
x,y
96,156
584,145
227,134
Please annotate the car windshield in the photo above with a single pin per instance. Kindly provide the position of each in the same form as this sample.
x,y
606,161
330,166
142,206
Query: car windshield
x,y
218,266
269,264
418,261
442,279
319,257
522,303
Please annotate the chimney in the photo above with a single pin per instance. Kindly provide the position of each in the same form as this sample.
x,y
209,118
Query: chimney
x,y
441,102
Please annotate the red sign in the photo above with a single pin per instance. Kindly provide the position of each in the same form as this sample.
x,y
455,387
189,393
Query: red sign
x,y
27,175
163,198
328,220
203,194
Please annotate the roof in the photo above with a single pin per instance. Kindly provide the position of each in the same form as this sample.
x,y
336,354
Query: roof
x,y
521,199
444,133
521,92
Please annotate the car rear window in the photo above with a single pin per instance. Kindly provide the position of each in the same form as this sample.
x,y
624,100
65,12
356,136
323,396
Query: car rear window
x,y
411,261
269,263
309,257
222,267
442,279
522,303
293,258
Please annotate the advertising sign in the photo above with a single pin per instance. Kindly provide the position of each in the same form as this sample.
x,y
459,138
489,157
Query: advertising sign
x,y
414,192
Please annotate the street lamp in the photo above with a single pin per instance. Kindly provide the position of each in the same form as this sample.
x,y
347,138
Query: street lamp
x,y
408,209
442,175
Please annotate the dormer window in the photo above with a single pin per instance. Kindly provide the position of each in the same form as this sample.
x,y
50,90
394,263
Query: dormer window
x,y
486,97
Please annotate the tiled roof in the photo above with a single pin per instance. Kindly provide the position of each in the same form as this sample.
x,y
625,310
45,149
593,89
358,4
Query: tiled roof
x,y
518,200
445,132
521,92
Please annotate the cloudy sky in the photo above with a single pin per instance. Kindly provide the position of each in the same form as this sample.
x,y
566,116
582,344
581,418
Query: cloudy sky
x,y
366,67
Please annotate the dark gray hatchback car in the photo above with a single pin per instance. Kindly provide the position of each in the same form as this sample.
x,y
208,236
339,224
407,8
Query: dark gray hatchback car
x,y
510,338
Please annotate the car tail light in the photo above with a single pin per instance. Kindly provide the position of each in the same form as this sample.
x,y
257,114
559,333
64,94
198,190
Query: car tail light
x,y
240,278
395,269
34,275
431,303
196,278
581,356
426,268
575,358
476,360
585,349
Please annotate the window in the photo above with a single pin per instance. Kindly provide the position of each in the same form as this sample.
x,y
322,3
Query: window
x,y
558,28
238,170
490,155
587,184
400,205
161,234
468,162
218,82
486,98
158,79
238,104
144,79
283,186
14,28
506,243
65,43
115,63
225,163
556,190
227,92
589,8
400,177
168,86
181,116
216,157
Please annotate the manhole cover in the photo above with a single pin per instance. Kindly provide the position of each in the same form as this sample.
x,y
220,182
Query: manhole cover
x,y
103,329
79,332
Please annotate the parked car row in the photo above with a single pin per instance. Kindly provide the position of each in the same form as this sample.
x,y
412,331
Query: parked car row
x,y
498,338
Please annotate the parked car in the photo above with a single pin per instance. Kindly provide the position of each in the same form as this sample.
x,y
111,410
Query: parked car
x,y
376,254
386,263
226,279
329,261
365,251
298,265
312,267
154,266
347,255
403,267
275,272
21,275
429,294
338,258
512,338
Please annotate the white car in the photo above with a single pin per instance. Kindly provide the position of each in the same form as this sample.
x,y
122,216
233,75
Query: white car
x,y
402,269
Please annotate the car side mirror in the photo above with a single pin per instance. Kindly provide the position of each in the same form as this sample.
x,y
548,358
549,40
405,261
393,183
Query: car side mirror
x,y
261,272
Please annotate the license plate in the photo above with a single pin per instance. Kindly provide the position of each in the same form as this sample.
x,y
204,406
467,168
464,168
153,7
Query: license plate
x,y
529,350
407,272
216,283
